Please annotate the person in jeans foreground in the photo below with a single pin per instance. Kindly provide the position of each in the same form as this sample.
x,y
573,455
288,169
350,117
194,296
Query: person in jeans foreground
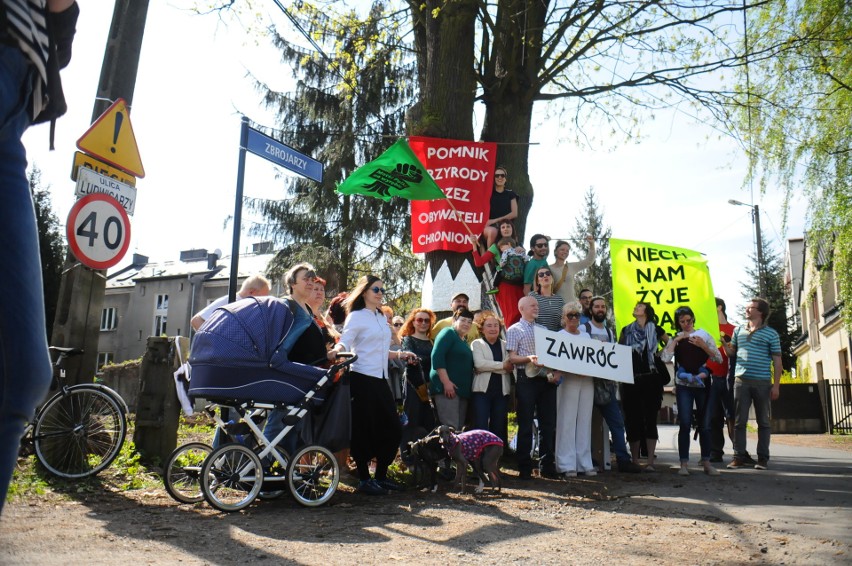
x,y
30,93
758,351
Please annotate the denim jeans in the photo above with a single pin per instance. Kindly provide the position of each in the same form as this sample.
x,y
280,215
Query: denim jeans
x,y
611,413
687,397
746,392
720,407
490,412
25,371
536,398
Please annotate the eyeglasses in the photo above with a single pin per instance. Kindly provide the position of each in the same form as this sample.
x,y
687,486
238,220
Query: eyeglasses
x,y
544,245
497,175
397,324
572,315
377,290
423,320
585,297
544,274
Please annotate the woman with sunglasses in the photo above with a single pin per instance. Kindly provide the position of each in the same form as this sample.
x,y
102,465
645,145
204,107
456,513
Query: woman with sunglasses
x,y
504,206
549,304
376,429
574,404
691,348
415,338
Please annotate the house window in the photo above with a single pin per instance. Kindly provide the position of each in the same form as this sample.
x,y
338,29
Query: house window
x,y
845,375
104,358
162,303
159,325
109,318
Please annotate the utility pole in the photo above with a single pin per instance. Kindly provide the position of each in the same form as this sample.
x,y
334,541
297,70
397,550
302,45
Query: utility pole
x,y
81,293
761,279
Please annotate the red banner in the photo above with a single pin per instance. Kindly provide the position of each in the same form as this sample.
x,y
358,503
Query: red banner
x,y
463,170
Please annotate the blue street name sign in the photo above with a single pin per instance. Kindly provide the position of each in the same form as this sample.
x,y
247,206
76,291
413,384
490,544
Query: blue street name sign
x,y
285,156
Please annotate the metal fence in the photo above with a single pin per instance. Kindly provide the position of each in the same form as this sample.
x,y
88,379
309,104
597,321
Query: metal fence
x,y
838,405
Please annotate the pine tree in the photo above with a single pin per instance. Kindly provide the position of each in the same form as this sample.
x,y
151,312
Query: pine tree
x,y
348,107
777,292
51,242
598,276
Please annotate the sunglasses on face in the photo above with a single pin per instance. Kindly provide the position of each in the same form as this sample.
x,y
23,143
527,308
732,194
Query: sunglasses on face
x,y
544,245
422,320
544,274
397,324
499,175
377,290
572,315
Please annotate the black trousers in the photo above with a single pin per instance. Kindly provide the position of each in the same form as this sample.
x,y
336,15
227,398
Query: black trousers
x,y
376,430
641,402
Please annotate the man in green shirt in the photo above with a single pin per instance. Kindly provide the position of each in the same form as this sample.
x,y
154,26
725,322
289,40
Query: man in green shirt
x,y
539,247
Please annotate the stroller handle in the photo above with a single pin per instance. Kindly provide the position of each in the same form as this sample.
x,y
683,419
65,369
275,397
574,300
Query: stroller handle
x,y
348,358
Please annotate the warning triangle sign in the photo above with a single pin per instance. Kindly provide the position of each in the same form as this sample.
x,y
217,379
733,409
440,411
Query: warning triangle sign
x,y
111,139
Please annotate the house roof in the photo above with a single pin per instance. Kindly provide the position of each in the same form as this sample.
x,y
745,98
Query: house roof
x,y
249,264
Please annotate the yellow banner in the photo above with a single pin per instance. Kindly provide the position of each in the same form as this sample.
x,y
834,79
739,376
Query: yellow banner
x,y
665,277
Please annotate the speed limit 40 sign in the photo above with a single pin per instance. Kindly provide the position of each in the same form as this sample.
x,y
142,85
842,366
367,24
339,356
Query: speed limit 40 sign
x,y
98,231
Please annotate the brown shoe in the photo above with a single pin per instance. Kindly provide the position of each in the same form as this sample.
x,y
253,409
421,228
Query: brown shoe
x,y
737,464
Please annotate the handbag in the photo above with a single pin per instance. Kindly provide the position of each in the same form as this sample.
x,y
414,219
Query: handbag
x,y
603,391
662,370
330,427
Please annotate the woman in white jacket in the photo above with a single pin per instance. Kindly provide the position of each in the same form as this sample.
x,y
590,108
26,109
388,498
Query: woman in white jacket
x,y
491,381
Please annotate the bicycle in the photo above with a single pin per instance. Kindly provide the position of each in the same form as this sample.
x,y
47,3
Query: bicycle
x,y
78,431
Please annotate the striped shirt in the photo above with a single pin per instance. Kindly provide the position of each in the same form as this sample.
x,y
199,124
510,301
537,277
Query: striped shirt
x,y
755,351
549,311
520,338
27,23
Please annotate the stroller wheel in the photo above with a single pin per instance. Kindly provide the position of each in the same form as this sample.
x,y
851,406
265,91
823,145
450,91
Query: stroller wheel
x,y
313,475
231,477
182,474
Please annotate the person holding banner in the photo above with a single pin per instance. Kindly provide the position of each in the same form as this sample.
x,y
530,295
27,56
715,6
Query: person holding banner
x,y
504,206
691,348
574,404
565,271
642,399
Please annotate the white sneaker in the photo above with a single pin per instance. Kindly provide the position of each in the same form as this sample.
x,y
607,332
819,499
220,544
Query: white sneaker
x,y
710,470
590,473
683,471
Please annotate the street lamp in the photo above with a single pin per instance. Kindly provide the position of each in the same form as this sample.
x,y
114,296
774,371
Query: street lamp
x,y
755,219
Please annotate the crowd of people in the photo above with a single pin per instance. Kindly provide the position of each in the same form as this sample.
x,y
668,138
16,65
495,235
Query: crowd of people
x,y
470,369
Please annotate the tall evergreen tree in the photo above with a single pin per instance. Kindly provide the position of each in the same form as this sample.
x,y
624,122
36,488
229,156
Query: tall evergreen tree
x,y
352,92
51,242
589,221
777,292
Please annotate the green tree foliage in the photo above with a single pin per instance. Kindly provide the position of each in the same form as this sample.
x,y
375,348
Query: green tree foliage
x,y
795,122
51,242
777,292
348,106
598,276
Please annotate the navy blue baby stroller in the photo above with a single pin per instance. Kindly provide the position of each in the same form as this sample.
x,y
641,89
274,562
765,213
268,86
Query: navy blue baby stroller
x,y
239,362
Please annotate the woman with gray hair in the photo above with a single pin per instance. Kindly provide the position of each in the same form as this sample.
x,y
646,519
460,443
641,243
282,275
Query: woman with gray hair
x,y
574,403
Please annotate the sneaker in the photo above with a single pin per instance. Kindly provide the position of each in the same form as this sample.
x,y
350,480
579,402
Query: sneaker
x,y
710,470
737,463
762,464
629,468
370,487
390,485
567,475
747,460
683,471
590,473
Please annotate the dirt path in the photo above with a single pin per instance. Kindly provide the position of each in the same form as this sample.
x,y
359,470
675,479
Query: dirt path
x,y
791,514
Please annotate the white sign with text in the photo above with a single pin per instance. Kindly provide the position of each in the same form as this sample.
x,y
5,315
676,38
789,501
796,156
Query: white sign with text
x,y
584,356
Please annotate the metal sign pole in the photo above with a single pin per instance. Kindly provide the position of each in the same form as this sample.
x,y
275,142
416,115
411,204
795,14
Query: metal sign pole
x,y
238,211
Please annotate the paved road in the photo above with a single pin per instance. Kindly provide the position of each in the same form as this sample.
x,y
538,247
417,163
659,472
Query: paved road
x,y
805,489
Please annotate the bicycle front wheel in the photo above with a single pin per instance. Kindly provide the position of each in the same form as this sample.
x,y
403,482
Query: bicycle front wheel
x,y
79,432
